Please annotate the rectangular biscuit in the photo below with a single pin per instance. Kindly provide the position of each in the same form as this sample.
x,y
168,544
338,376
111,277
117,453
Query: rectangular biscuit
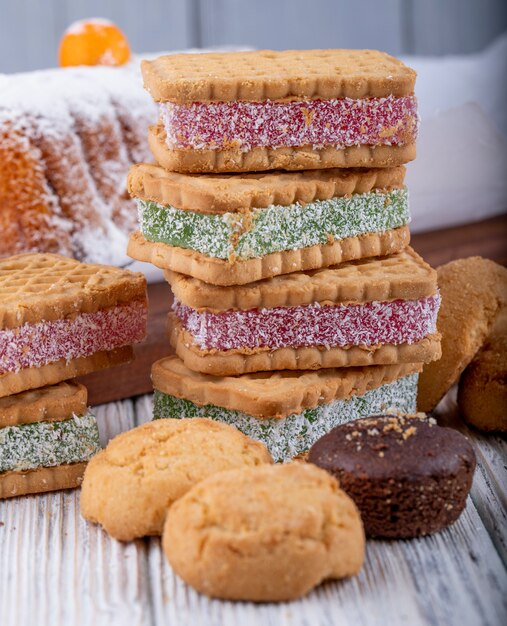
x,y
244,361
35,287
273,75
218,194
51,403
34,377
399,276
41,480
263,158
273,394
225,273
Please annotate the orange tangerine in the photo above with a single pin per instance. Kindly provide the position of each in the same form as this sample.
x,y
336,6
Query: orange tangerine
x,y
93,41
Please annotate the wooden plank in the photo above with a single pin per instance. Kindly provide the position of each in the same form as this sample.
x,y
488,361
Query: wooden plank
x,y
486,238
454,577
296,24
489,490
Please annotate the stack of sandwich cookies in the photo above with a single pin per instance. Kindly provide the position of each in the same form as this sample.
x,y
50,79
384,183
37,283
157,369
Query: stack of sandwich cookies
x,y
60,318
291,110
47,436
298,305
232,230
287,411
377,311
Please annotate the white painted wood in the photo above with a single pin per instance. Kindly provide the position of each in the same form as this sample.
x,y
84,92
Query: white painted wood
x,y
489,491
56,569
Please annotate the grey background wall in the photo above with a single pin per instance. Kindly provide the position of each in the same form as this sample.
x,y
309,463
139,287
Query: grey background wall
x,y
30,29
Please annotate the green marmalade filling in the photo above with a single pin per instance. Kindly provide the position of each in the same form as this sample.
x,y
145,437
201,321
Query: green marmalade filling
x,y
48,444
285,438
258,232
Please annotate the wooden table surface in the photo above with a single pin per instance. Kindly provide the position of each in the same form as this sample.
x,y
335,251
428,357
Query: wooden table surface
x,y
58,570
487,238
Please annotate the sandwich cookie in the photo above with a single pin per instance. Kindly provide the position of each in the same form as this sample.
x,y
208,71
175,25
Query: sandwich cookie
x,y
372,312
292,110
60,318
408,476
232,230
288,411
46,438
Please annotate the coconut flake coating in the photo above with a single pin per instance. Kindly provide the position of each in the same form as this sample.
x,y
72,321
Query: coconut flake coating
x,y
35,345
341,122
372,323
257,232
285,438
48,444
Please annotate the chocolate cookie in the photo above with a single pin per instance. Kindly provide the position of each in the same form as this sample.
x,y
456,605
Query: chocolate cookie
x,y
408,476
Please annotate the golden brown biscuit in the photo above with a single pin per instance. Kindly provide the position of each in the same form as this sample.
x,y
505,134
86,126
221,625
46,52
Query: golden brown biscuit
x,y
472,292
128,487
265,533
482,393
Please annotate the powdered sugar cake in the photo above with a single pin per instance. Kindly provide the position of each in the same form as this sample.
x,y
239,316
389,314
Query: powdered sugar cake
x,y
310,109
288,411
46,438
60,318
378,311
67,139
235,229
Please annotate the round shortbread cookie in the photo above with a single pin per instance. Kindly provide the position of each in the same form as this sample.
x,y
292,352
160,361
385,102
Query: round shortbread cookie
x,y
472,292
266,533
482,393
128,487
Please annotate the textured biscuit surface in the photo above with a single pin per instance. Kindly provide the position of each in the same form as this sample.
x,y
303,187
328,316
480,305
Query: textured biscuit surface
x,y
53,403
41,480
129,486
264,533
224,273
473,290
261,158
273,394
224,193
482,393
408,476
403,276
52,373
245,361
272,75
35,287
